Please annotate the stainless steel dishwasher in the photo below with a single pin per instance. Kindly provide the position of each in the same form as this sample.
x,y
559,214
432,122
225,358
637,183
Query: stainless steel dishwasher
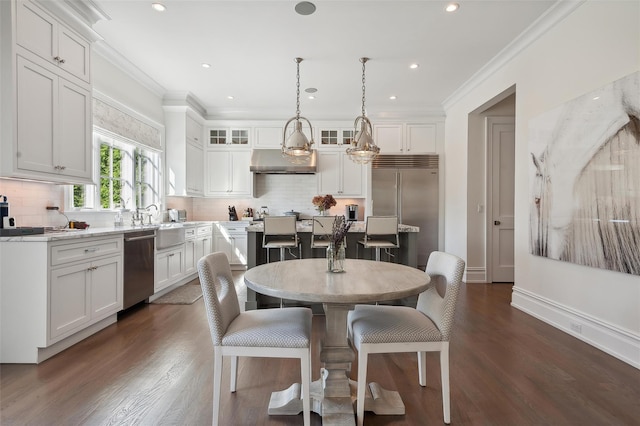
x,y
139,261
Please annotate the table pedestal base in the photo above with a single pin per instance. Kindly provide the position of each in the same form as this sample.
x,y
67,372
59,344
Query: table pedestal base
x,y
336,410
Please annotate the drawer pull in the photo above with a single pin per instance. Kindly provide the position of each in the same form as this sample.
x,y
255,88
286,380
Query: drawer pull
x,y
91,250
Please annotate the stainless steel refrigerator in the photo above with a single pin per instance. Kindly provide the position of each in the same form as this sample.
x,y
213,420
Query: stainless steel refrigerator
x,y
407,186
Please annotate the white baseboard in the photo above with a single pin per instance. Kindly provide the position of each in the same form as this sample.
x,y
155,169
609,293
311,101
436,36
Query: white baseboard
x,y
620,343
476,275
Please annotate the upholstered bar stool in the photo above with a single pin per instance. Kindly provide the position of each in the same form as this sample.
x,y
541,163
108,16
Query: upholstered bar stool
x,y
280,232
381,233
321,231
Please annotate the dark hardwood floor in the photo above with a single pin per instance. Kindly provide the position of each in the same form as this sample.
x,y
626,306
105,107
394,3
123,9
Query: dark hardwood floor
x,y
154,367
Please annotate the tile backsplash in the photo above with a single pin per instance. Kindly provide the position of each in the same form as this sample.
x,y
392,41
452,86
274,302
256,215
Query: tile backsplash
x,y
280,193
28,201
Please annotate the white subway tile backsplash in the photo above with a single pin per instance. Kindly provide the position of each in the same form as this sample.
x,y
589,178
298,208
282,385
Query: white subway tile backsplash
x,y
28,201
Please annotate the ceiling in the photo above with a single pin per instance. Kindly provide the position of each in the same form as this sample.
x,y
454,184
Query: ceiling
x,y
251,46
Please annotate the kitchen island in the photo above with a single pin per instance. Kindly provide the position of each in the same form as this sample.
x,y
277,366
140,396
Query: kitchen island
x,y
256,255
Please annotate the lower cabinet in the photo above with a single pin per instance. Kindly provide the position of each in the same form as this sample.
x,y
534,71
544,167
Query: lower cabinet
x,y
56,293
84,293
231,240
170,266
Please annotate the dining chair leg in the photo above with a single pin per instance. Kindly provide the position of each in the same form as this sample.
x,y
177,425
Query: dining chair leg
x,y
268,255
422,368
444,373
305,372
362,385
234,373
217,380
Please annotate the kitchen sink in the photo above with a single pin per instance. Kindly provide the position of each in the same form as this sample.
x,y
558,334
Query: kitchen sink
x,y
169,235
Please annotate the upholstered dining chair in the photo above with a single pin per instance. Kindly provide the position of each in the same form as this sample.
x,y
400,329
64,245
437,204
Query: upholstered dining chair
x,y
427,328
270,333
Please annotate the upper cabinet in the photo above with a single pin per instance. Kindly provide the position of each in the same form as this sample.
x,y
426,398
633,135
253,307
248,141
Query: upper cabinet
x,y
406,138
268,137
340,176
225,137
228,173
49,98
184,152
334,137
43,35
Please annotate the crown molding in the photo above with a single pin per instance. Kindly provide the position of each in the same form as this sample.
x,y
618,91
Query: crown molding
x,y
184,99
544,23
103,49
80,15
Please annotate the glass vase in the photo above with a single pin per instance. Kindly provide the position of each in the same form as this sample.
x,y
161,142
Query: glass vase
x,y
335,258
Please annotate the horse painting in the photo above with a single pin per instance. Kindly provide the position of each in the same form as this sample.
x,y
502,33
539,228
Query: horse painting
x,y
585,179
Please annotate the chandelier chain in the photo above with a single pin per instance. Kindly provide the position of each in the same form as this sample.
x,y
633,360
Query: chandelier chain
x,y
298,89
363,87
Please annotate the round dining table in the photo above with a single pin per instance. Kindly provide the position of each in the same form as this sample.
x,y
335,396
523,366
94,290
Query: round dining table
x,y
362,281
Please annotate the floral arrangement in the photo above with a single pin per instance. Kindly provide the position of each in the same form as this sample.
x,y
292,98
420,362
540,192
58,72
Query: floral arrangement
x,y
324,202
339,231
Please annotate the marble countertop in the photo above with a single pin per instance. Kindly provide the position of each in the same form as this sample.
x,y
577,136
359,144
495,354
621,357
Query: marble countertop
x,y
305,225
91,232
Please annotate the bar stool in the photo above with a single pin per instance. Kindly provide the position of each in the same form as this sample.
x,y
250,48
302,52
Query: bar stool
x,y
381,232
321,230
280,232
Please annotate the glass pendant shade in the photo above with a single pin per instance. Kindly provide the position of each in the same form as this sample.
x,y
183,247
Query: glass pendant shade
x,y
363,149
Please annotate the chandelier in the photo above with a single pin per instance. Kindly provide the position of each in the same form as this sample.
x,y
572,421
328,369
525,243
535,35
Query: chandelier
x,y
363,149
297,146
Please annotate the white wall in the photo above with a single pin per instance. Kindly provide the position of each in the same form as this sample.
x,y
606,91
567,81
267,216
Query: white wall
x,y
597,43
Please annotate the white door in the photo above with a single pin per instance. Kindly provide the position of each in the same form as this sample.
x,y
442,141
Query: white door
x,y
501,143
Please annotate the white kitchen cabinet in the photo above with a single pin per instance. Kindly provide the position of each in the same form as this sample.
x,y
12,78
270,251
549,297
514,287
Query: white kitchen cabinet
x,y
335,138
221,137
204,241
170,267
227,173
56,293
268,137
53,126
190,260
389,137
405,138
340,176
184,152
43,35
84,293
231,239
420,139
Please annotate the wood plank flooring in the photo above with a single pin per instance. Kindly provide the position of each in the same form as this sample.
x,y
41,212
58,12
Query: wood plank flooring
x,y
154,367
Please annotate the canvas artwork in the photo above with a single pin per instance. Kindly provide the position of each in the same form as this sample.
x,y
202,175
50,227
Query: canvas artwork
x,y
585,179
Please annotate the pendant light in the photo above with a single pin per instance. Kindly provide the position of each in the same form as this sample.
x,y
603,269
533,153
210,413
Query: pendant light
x,y
297,146
363,149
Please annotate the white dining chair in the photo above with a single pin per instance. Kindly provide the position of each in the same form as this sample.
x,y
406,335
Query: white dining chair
x,y
381,232
270,333
427,328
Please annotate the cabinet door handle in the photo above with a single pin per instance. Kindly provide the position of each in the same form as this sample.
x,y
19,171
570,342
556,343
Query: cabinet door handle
x,y
496,222
172,254
61,61
91,250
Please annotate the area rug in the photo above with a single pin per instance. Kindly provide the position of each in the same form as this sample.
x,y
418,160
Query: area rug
x,y
183,295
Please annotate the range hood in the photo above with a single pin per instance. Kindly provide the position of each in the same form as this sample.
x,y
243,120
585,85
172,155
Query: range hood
x,y
271,161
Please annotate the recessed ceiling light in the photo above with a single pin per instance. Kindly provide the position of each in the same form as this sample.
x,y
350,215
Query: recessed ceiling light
x,y
311,90
205,65
312,97
414,66
159,7
393,97
452,7
305,8
230,97
596,98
